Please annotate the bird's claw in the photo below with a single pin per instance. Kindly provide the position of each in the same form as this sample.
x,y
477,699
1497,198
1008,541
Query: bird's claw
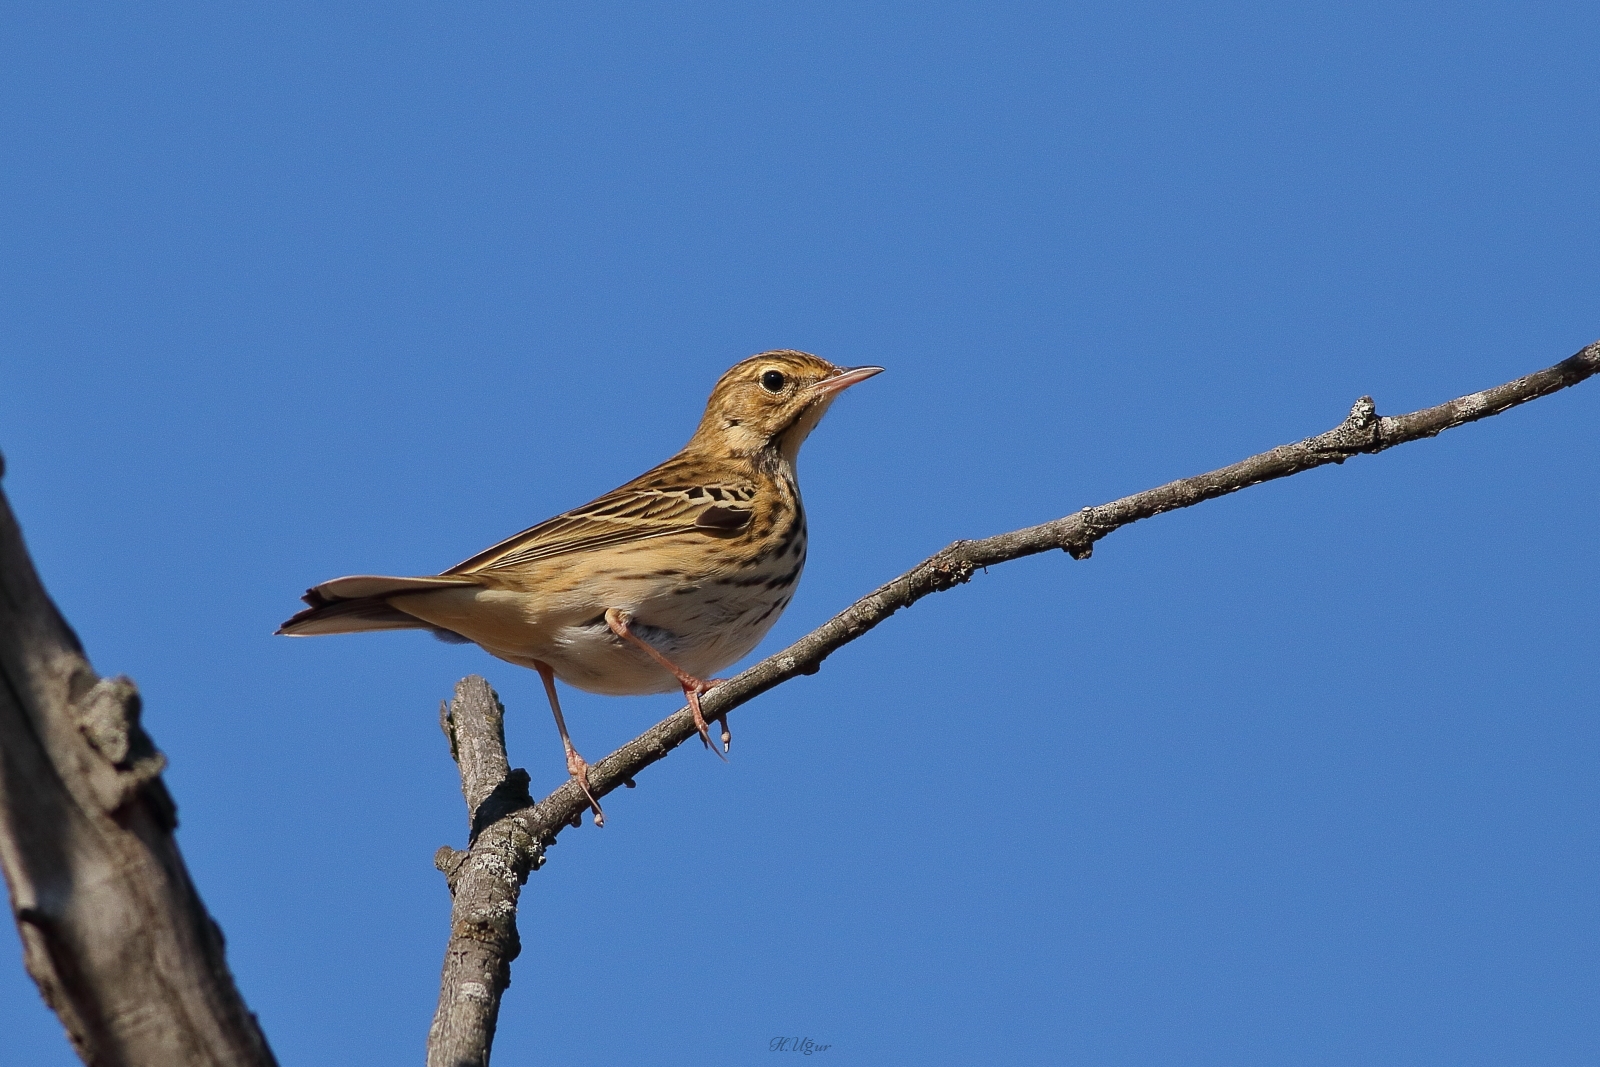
x,y
702,727
578,768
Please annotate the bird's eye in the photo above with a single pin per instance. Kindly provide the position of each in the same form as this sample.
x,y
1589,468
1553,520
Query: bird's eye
x,y
772,381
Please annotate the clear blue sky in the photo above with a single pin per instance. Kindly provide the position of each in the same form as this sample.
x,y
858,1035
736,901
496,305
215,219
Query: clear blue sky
x,y
1301,776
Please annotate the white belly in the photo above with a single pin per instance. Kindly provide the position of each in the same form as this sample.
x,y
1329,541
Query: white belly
x,y
702,626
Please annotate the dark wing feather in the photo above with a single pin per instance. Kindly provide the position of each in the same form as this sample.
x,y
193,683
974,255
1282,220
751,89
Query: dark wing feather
x,y
724,518
632,513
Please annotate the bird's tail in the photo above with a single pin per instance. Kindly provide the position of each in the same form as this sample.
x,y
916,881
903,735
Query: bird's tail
x,y
360,603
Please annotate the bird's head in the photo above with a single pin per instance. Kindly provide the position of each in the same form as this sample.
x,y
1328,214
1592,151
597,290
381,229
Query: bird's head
x,y
773,400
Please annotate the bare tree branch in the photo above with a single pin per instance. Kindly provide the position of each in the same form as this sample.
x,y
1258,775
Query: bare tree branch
x,y
485,879
112,929
532,829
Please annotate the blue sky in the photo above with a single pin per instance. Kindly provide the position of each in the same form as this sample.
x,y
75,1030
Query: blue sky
x,y
1300,776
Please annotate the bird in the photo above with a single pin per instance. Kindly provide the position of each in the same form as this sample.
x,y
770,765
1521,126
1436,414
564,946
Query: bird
x,y
654,586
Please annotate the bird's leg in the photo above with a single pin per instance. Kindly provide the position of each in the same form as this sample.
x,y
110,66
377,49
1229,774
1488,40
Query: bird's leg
x,y
576,765
618,620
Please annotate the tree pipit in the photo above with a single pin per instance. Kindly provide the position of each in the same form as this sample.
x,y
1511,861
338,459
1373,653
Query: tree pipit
x,y
655,586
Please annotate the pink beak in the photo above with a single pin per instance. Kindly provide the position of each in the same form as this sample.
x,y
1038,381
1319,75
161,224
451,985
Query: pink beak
x,y
845,379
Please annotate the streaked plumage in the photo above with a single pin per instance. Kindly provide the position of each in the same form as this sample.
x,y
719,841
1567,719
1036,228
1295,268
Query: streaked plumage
x,y
696,558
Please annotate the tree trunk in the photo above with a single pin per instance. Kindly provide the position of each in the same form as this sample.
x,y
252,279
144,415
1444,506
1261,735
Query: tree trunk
x,y
112,929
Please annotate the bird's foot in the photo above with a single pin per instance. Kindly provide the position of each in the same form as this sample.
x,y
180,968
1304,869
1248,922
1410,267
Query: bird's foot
x,y
578,768
692,688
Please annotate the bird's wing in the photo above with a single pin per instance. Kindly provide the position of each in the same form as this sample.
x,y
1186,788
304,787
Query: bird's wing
x,y
635,512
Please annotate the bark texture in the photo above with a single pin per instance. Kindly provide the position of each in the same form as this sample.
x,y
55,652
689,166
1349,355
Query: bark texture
x,y
485,880
112,928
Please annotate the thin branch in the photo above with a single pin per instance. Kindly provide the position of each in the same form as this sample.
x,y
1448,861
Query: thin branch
x,y
511,832
112,929
1363,431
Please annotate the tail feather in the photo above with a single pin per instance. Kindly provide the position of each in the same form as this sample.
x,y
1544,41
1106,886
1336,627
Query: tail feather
x,y
359,604
350,617
359,586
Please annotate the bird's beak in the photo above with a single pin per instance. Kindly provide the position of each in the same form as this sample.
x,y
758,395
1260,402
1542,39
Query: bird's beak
x,y
845,379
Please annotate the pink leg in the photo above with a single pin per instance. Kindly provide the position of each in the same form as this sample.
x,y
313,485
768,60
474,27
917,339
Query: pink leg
x,y
692,687
576,766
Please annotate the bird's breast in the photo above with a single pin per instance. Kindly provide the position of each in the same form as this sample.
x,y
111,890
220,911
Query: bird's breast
x,y
702,618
